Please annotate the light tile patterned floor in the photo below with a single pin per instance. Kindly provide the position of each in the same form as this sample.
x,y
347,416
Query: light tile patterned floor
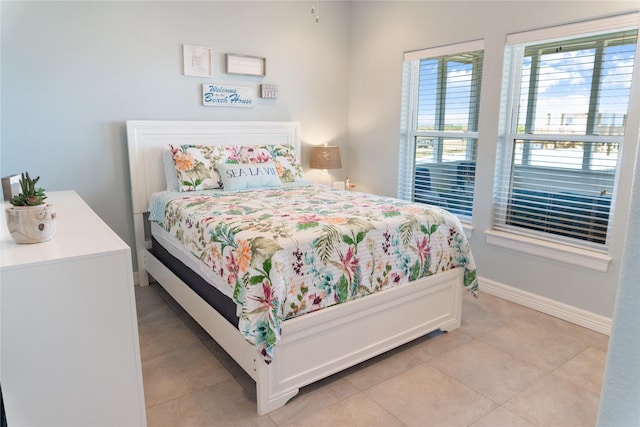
x,y
506,366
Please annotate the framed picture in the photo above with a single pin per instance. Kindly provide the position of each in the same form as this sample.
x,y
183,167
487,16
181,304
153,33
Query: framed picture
x,y
197,61
248,65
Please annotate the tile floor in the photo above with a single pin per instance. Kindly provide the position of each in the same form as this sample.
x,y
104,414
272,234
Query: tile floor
x,y
506,366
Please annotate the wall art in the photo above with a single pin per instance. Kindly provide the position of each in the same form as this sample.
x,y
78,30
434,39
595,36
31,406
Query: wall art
x,y
248,65
197,61
227,96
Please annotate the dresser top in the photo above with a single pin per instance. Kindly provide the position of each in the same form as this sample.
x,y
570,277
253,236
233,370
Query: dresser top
x,y
79,233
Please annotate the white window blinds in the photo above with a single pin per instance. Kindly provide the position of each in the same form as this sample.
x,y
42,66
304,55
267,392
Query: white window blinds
x,y
567,109
441,96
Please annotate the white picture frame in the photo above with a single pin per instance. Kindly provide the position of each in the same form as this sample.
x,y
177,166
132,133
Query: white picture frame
x,y
197,61
246,65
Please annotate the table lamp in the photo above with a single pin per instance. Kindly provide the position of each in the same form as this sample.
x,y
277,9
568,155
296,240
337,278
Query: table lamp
x,y
325,157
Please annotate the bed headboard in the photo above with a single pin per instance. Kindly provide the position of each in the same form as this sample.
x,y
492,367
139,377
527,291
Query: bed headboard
x,y
148,139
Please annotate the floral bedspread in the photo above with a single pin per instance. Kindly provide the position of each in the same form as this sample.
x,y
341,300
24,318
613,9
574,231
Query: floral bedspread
x,y
290,251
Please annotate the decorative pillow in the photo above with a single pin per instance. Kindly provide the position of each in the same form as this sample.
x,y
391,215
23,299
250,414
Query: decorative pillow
x,y
237,176
284,156
244,154
289,169
195,166
286,171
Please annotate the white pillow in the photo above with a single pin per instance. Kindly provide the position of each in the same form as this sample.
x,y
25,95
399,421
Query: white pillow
x,y
237,176
170,171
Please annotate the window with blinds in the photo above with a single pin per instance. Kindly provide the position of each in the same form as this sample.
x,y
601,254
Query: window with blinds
x,y
567,110
440,103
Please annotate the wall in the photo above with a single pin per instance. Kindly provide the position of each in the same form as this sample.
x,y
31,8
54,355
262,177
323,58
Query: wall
x,y
74,72
620,397
380,33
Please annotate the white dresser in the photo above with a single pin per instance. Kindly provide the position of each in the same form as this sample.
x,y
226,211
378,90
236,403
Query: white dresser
x,y
69,345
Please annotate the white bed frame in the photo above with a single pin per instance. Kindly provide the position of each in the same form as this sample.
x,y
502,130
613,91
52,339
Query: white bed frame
x,y
312,346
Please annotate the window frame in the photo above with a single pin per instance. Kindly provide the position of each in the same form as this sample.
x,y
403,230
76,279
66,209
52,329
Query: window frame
x,y
409,116
539,243
590,137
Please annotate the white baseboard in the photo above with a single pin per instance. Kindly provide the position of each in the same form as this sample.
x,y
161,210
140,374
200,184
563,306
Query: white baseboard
x,y
548,306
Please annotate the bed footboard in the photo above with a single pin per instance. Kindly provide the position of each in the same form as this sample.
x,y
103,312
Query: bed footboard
x,y
322,343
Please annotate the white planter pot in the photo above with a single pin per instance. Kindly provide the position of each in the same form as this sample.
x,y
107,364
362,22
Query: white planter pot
x,y
31,224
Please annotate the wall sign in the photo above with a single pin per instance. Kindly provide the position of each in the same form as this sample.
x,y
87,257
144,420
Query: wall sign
x,y
227,96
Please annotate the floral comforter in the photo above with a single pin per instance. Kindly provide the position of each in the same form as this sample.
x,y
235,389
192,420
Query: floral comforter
x,y
290,251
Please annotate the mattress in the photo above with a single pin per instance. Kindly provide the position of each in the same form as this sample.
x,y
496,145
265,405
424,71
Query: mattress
x,y
201,280
283,252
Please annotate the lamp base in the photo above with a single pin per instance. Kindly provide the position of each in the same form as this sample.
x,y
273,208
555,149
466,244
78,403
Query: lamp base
x,y
325,179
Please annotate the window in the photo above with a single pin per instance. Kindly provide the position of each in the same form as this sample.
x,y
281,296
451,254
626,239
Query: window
x,y
565,115
440,105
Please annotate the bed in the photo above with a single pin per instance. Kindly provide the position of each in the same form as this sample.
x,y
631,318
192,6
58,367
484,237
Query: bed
x,y
272,320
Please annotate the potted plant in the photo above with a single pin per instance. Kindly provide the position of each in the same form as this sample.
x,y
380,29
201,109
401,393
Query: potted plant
x,y
30,219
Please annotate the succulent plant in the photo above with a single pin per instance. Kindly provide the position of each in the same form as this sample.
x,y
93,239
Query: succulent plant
x,y
30,195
